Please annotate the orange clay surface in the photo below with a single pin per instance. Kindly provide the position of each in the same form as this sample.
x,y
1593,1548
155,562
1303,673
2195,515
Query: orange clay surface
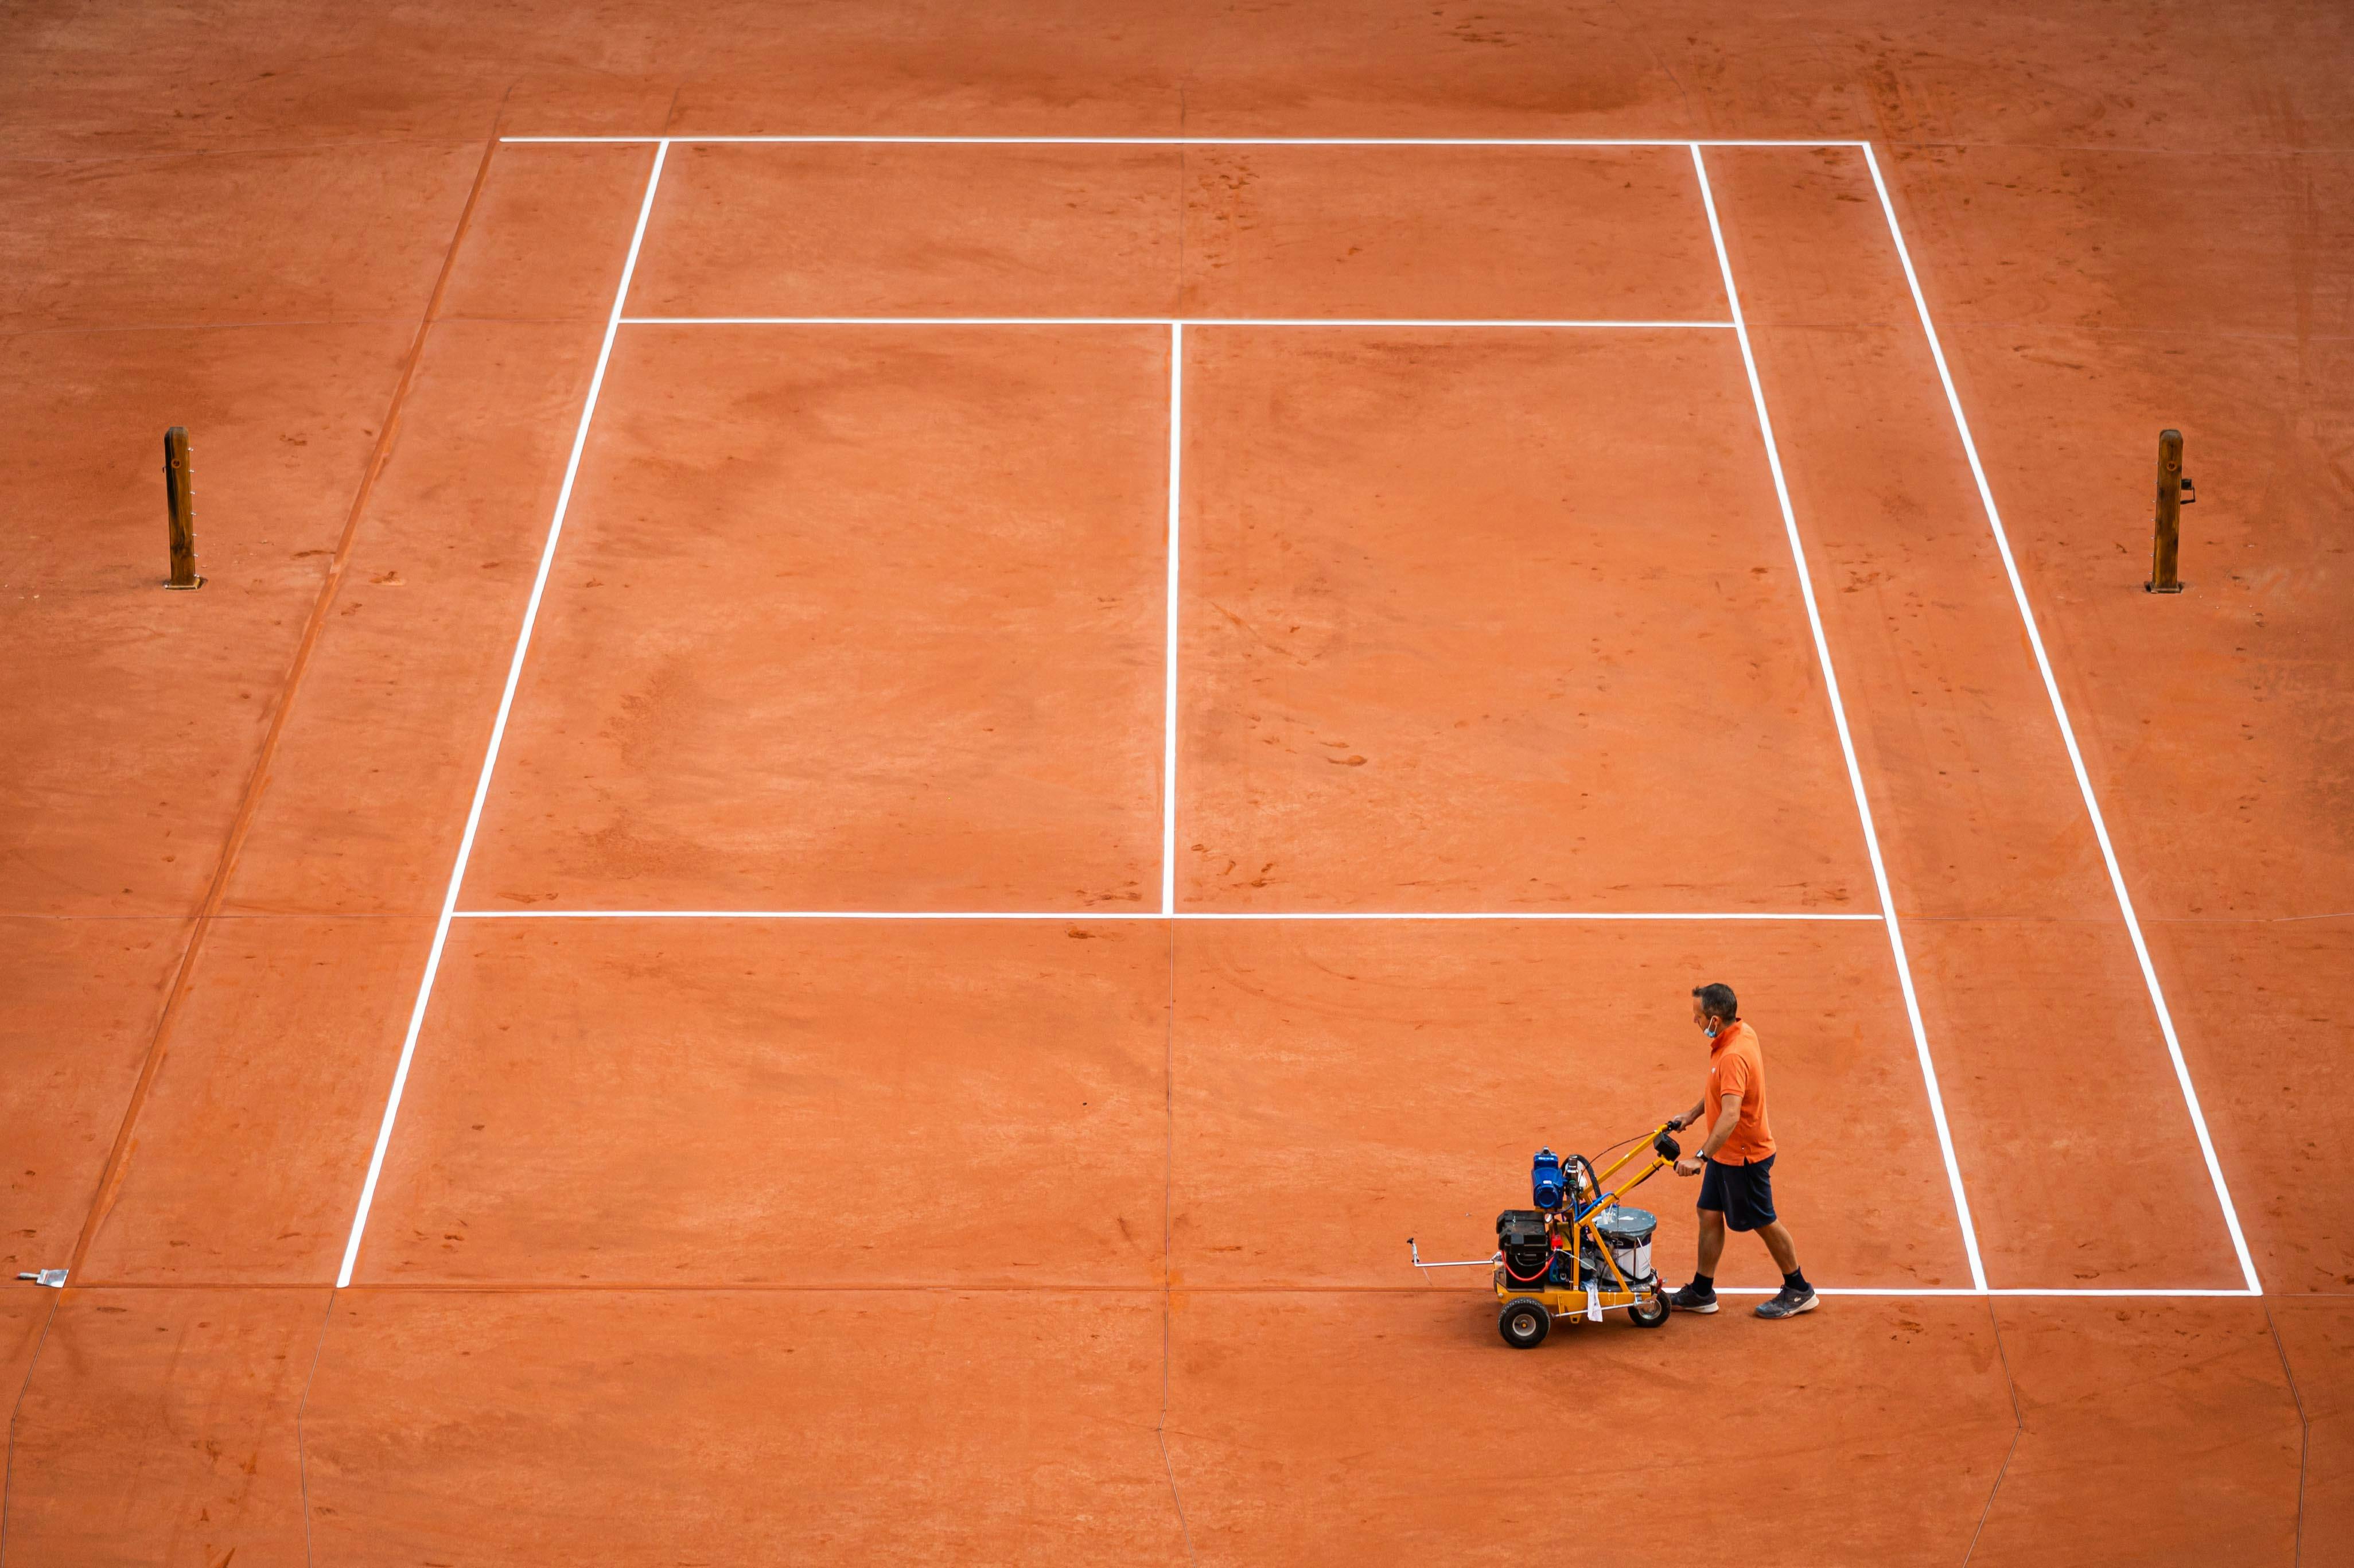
x,y
1611,580
1549,232
855,617
727,1239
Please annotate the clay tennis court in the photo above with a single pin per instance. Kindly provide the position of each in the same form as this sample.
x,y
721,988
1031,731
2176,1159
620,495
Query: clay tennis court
x,y
905,728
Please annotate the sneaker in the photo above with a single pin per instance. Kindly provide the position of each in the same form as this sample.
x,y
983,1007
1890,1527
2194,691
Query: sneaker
x,y
1789,1303
1691,1298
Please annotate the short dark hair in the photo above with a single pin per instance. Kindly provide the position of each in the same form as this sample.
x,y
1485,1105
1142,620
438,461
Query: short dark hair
x,y
1717,1001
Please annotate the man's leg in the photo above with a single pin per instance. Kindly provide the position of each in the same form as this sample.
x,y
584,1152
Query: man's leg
x,y
1700,1296
1778,1242
1712,1241
1796,1296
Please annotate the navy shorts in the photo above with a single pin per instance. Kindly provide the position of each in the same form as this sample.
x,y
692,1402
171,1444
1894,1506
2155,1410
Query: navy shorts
x,y
1743,1194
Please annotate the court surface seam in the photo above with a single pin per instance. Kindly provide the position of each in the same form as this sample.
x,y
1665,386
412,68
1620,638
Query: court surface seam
x,y
301,1409
15,1409
2018,1431
116,1170
2303,1427
1168,1234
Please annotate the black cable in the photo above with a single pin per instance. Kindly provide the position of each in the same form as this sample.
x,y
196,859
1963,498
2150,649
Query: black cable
x,y
1625,1141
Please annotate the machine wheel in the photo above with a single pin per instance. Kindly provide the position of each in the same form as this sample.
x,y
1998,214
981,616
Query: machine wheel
x,y
1649,1314
1524,1324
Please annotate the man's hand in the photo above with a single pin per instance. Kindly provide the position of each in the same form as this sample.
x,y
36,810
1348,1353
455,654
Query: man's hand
x,y
1675,1124
1689,1165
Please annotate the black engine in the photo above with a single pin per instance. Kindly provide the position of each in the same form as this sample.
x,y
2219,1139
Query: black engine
x,y
1527,1246
1531,1260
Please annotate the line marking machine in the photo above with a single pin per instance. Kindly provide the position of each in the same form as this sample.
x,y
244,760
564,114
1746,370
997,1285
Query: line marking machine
x,y
1580,1252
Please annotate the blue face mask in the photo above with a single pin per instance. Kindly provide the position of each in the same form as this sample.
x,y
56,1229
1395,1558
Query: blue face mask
x,y
1711,1028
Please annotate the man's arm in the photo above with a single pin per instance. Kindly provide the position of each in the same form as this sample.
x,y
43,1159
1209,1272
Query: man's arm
x,y
1727,1114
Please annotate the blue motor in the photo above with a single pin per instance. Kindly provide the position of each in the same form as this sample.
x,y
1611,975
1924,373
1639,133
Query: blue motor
x,y
1549,1184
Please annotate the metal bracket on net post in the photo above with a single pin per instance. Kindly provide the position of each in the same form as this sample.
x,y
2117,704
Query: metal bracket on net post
x,y
181,509
2174,493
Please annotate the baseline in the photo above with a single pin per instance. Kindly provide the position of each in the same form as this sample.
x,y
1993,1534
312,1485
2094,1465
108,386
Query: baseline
x,y
1208,140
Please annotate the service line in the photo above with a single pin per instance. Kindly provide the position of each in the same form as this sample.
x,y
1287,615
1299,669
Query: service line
x,y
1529,322
1846,740
498,731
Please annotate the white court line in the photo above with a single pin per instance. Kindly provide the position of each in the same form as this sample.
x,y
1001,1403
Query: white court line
x,y
1847,741
1964,1292
1169,708
1084,915
1450,322
2067,733
1183,141
498,732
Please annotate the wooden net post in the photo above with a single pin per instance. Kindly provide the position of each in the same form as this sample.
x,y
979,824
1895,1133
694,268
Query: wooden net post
x,y
181,510
2165,542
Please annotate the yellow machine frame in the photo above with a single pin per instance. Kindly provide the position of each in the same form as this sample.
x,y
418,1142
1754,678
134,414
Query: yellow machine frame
x,y
1589,1199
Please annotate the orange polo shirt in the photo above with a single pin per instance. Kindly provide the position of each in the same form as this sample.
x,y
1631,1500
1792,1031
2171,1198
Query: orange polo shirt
x,y
1737,1066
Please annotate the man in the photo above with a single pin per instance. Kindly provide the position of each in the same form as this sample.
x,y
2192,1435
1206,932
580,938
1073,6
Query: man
x,y
1735,1162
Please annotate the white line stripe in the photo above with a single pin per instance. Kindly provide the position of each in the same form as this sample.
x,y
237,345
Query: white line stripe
x,y
498,733
2067,733
1847,741
1360,322
2122,1294
1980,1295
1115,915
1169,710
1182,141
